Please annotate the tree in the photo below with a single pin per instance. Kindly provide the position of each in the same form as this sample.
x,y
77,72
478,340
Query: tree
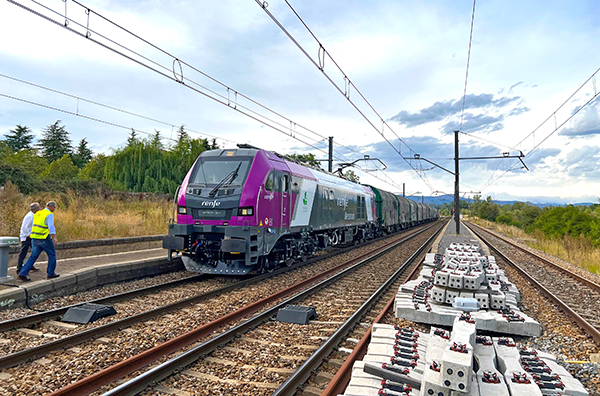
x,y
61,169
55,142
5,151
16,176
350,175
83,155
183,138
19,138
144,167
486,209
29,161
308,159
94,169
155,142
132,139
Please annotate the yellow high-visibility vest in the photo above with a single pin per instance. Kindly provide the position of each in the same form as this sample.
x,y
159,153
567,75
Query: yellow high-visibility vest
x,y
40,229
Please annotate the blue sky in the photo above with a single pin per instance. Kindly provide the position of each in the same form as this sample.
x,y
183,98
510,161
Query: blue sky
x,y
407,57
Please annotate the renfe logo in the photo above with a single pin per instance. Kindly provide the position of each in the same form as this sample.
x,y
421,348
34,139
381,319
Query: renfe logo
x,y
211,204
343,202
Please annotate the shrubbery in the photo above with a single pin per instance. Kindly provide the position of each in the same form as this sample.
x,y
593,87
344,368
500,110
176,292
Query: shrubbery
x,y
143,165
556,221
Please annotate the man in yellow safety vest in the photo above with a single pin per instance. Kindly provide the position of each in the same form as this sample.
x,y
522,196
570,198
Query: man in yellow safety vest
x,y
43,238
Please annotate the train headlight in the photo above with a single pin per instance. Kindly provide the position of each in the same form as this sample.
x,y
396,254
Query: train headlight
x,y
247,211
182,210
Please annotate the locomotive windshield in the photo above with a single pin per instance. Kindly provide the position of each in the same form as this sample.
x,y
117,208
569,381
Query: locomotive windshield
x,y
232,171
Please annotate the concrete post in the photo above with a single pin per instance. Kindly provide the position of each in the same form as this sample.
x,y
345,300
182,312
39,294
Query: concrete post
x,y
5,243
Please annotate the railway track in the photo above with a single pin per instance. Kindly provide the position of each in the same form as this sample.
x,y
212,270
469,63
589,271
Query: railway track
x,y
267,341
38,334
145,329
334,374
560,336
576,295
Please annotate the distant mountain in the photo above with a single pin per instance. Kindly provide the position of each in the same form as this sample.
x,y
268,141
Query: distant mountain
x,y
445,199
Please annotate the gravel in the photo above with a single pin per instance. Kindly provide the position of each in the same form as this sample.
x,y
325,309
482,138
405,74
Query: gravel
x,y
60,368
275,345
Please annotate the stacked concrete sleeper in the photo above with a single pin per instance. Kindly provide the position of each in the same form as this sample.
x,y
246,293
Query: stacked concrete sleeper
x,y
404,361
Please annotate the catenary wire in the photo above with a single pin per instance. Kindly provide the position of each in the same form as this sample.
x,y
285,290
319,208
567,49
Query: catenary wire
x,y
228,88
87,36
468,61
561,106
550,134
80,115
282,130
111,107
223,99
349,83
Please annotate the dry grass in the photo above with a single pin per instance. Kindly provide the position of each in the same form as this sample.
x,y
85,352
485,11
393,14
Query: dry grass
x,y
578,251
80,217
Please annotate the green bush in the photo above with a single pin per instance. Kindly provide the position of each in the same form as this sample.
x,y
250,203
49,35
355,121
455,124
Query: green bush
x,y
18,177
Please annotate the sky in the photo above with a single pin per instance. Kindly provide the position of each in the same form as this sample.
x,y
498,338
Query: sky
x,y
225,69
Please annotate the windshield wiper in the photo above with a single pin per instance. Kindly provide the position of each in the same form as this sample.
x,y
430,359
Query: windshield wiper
x,y
226,180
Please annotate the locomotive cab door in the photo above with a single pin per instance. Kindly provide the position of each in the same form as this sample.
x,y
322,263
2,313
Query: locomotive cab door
x,y
286,213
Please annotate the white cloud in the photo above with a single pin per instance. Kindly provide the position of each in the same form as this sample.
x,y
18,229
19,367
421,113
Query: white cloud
x,y
403,55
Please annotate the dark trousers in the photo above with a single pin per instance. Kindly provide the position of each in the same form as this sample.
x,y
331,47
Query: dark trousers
x,y
25,246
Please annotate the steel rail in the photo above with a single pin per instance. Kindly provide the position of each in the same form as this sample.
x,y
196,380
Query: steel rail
x,y
55,313
342,377
584,324
25,355
578,277
138,384
28,354
291,385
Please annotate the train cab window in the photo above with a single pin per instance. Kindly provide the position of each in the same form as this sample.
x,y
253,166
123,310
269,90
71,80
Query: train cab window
x,y
285,183
270,183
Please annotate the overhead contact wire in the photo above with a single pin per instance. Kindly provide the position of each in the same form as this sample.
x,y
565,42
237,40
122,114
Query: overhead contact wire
x,y
111,107
468,62
79,115
283,129
161,73
204,74
263,5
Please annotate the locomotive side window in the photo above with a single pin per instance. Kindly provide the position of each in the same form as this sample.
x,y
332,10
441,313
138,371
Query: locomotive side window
x,y
359,207
295,185
270,183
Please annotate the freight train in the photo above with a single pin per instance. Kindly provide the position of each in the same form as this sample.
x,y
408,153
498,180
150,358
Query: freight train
x,y
249,210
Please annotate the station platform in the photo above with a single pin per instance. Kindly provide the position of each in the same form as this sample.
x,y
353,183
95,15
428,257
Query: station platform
x,y
84,273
